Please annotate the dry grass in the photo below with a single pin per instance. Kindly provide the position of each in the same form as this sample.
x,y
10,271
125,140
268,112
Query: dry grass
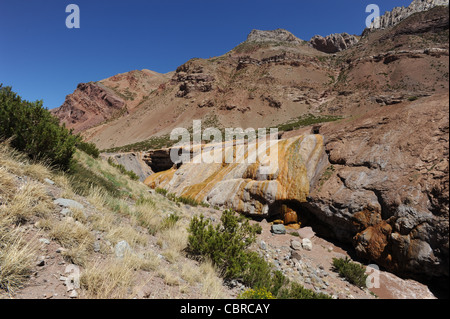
x,y
29,201
16,257
71,234
7,184
115,278
126,232
206,275
97,197
135,216
212,285
173,241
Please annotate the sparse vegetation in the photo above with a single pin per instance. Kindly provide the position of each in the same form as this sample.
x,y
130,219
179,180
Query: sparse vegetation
x,y
307,120
227,246
155,142
353,272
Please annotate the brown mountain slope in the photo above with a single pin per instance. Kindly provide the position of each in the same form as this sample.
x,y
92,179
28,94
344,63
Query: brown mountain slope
x,y
270,79
94,103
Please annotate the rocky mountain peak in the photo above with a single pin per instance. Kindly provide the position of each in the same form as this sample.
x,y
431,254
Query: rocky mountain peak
x,y
278,35
399,14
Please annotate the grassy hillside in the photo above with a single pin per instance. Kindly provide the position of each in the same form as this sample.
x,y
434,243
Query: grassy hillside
x,y
116,208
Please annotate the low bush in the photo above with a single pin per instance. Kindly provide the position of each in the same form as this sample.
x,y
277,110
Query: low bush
x,y
227,246
297,291
353,272
89,148
34,130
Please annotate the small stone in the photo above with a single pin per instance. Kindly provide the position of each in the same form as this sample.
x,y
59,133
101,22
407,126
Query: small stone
x,y
41,262
296,245
306,232
263,245
73,294
68,203
44,241
49,181
307,244
278,229
61,250
121,249
96,247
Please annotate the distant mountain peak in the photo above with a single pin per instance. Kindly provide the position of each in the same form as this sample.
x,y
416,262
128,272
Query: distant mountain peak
x,y
278,35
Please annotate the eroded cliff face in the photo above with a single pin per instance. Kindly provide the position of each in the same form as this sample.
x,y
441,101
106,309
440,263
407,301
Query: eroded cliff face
x,y
90,105
244,186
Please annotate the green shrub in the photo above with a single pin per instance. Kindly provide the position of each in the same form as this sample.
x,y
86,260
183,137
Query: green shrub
x,y
297,291
34,130
226,246
170,221
353,272
89,148
161,191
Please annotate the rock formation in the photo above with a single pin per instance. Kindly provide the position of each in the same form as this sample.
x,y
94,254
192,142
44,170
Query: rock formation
x,y
90,104
132,162
333,43
243,186
278,35
398,14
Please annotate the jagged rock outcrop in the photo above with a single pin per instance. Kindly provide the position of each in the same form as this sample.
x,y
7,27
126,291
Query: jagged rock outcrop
x,y
192,78
398,14
242,186
333,43
89,105
388,195
278,35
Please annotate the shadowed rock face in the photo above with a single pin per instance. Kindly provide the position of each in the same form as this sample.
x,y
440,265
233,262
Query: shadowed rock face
x,y
334,42
243,186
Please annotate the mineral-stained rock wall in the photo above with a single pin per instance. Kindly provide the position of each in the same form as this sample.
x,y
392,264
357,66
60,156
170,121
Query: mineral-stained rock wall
x,y
242,186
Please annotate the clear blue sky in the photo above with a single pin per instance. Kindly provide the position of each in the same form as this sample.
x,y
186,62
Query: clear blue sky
x,y
43,60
